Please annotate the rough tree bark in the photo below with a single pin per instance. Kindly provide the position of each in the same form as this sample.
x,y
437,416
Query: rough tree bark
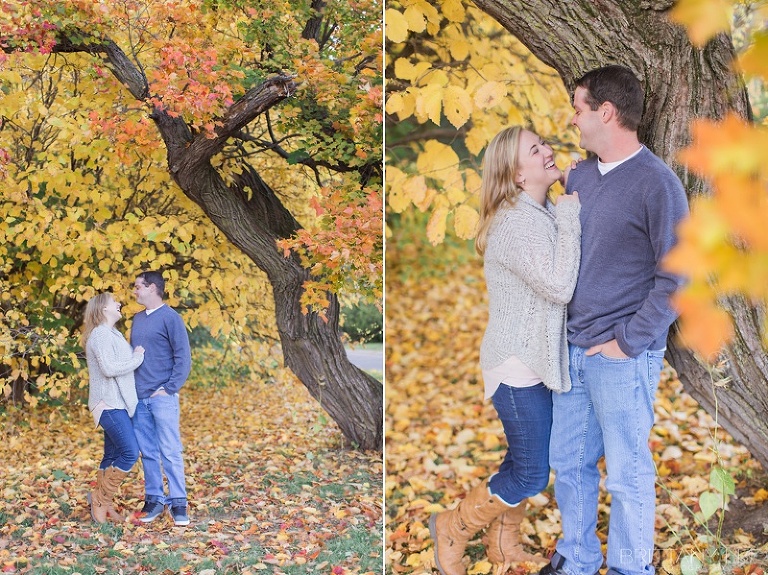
x,y
681,83
312,346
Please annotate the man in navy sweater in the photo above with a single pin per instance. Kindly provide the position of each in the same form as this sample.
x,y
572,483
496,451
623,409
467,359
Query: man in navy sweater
x,y
618,321
167,363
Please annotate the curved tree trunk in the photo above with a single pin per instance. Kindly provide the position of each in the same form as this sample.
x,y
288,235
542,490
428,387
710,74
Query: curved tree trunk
x,y
681,83
312,346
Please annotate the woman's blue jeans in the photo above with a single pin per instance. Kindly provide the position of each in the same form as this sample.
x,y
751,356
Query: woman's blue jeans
x,y
526,415
608,411
121,449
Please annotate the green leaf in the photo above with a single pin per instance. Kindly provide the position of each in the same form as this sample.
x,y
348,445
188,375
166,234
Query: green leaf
x,y
690,565
721,480
297,157
709,503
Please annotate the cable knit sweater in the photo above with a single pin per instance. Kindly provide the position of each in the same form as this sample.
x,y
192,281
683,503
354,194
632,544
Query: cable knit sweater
x,y
111,363
531,264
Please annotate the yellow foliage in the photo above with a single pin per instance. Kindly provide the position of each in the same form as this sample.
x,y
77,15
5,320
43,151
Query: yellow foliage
x,y
462,73
703,18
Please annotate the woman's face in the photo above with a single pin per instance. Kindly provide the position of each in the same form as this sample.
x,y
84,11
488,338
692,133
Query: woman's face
x,y
535,163
112,311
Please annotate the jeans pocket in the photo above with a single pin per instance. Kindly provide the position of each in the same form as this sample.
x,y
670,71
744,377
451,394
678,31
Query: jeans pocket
x,y
610,359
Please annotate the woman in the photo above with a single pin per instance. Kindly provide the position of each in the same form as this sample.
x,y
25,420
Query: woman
x,y
111,398
531,254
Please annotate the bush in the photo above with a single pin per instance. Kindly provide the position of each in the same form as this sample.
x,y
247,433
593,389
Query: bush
x,y
363,323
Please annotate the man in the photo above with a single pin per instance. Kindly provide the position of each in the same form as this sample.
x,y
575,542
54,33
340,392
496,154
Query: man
x,y
167,362
618,322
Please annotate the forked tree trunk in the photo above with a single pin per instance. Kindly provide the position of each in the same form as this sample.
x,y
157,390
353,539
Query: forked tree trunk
x,y
681,83
312,347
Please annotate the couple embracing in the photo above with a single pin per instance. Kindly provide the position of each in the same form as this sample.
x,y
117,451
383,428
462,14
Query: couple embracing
x,y
578,319
134,397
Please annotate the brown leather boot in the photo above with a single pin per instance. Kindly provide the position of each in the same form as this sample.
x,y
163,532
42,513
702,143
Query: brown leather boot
x,y
112,513
451,530
98,509
502,541
107,482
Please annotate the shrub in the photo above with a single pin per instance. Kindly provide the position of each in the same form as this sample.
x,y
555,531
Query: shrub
x,y
363,323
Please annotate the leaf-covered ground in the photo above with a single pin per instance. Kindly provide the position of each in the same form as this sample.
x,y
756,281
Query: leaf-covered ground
x,y
272,490
441,439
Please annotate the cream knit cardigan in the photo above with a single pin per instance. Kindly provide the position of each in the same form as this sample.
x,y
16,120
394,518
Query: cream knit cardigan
x,y
111,363
531,264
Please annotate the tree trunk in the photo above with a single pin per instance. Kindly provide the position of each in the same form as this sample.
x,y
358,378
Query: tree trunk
x,y
681,83
312,346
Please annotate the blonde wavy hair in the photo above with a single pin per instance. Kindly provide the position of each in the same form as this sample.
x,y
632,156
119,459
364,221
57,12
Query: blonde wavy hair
x,y
498,183
94,314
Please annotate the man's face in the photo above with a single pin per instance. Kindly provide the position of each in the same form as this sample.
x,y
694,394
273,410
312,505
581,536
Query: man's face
x,y
589,122
142,290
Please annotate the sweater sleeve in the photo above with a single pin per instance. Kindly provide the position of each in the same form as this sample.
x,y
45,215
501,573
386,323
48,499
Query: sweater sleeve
x,y
106,357
664,208
182,357
551,271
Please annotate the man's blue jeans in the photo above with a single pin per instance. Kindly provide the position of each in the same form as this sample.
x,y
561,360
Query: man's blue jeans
x,y
526,415
120,447
608,411
156,423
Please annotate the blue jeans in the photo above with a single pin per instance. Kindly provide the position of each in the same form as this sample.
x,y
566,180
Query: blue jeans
x,y
156,423
526,415
608,411
120,447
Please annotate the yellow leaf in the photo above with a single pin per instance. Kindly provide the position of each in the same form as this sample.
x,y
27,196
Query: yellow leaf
x,y
429,103
480,568
472,181
436,158
416,19
697,311
453,10
417,190
458,44
436,225
755,59
396,25
457,106
454,194
436,77
703,18
404,104
465,222
397,197
460,49
405,70
761,495
394,103
725,147
490,94
538,99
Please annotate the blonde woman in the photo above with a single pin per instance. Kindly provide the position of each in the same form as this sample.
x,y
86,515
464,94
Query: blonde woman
x,y
531,257
111,399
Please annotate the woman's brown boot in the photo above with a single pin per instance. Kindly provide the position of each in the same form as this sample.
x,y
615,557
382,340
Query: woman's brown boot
x,y
451,530
107,482
502,541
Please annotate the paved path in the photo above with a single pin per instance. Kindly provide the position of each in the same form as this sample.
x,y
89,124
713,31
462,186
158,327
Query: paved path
x,y
369,360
